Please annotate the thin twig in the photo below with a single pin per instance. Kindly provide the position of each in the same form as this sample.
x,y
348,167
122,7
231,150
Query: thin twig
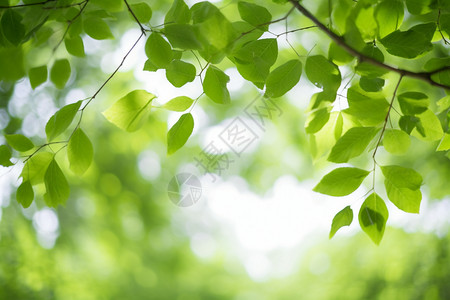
x,y
135,18
70,22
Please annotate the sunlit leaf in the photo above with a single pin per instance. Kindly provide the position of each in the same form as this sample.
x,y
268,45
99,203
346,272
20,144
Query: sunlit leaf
x,y
179,103
403,187
317,119
62,119
352,144
341,219
432,128
373,216
396,141
19,142
215,85
389,16
131,111
444,145
35,168
79,152
25,194
369,109
283,78
179,133
56,185
341,181
178,13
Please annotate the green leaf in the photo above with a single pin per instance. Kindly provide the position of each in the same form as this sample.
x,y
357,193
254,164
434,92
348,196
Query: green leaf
x,y
56,185
402,177
5,156
444,145
60,73
373,216
413,103
410,43
341,219
142,11
62,119
131,111
12,27
339,55
418,7
444,103
352,144
25,194
323,73
341,181
179,103
283,78
96,28
215,85
183,36
149,66
371,84
403,187
254,60
19,142
75,46
396,141
35,167
79,152
179,73
254,14
368,69
178,13
408,123
179,133
37,76
369,109
158,50
317,119
432,128
389,16
216,33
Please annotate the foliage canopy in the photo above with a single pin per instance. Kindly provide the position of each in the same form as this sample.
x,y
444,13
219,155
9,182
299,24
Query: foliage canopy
x,y
380,67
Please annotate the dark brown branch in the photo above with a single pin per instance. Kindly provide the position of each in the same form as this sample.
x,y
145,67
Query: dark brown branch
x,y
43,3
425,76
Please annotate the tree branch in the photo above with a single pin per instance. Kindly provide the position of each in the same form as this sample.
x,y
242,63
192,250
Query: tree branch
x,y
425,76
134,16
